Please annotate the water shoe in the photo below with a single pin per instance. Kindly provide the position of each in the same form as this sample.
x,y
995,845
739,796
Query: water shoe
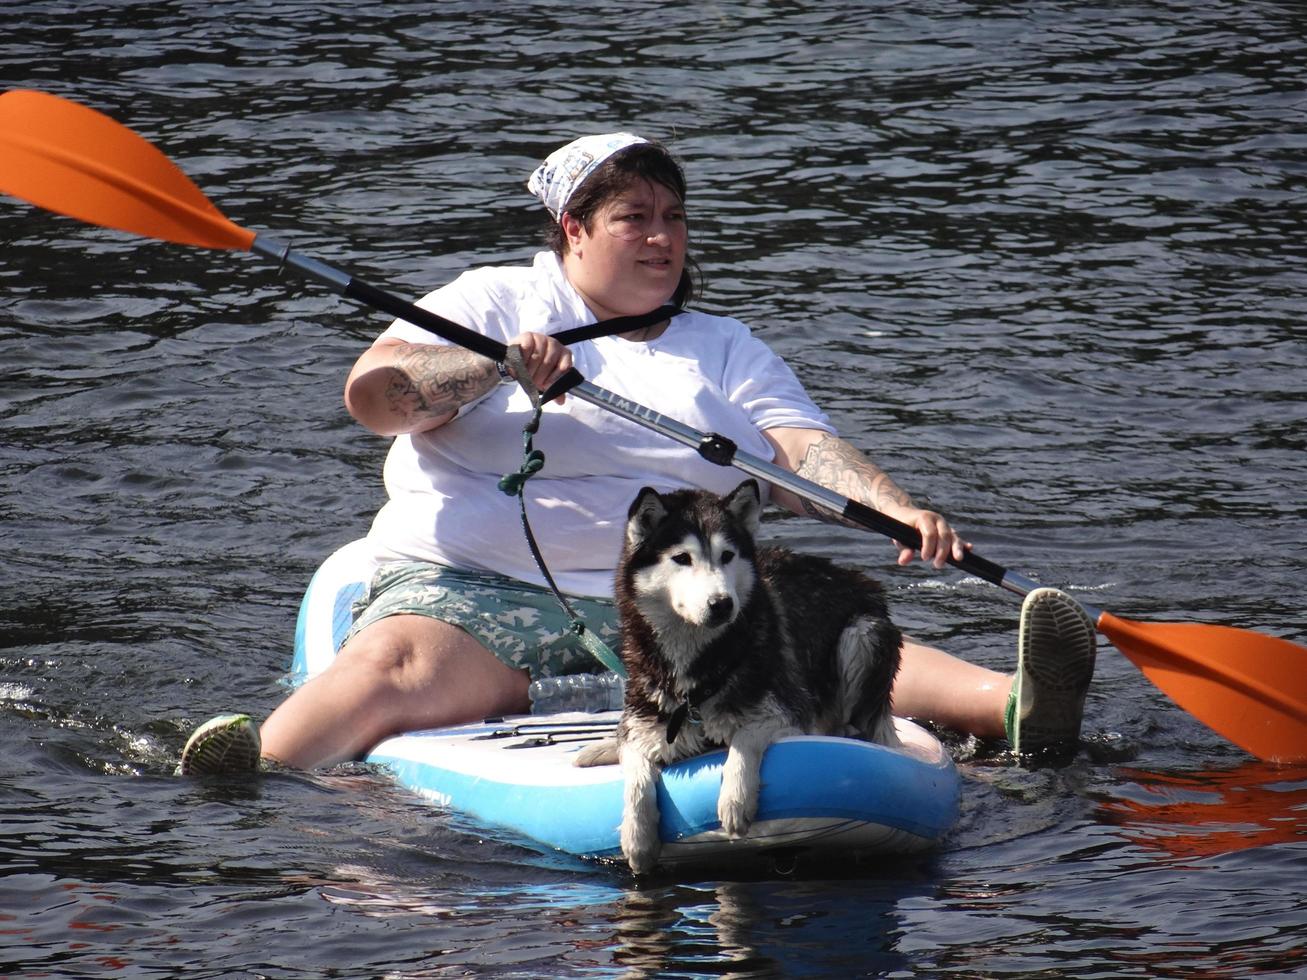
x,y
226,745
1056,647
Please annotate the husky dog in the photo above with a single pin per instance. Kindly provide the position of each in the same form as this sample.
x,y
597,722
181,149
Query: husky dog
x,y
728,644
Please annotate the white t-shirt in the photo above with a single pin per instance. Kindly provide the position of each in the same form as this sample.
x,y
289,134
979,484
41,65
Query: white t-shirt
x,y
445,505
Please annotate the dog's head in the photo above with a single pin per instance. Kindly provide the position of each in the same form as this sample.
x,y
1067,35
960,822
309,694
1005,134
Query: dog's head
x,y
690,553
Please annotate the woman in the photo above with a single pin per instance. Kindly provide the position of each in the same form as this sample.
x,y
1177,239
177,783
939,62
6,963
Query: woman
x,y
456,621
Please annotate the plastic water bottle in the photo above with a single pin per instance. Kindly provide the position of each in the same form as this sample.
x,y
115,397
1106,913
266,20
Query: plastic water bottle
x,y
577,692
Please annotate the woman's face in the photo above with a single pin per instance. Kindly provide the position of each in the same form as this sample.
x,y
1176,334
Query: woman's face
x,y
630,261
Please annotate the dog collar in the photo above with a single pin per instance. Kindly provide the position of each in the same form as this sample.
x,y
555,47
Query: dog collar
x,y
684,712
687,710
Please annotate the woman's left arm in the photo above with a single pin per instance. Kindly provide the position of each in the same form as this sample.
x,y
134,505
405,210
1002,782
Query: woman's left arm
x,y
828,460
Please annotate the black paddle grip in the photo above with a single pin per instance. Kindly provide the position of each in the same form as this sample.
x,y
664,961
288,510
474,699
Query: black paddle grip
x,y
569,380
907,534
402,309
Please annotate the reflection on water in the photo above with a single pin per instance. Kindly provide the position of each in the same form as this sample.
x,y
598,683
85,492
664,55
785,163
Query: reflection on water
x,y
1210,813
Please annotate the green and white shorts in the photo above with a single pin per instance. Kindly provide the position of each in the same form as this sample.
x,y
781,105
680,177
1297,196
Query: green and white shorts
x,y
522,624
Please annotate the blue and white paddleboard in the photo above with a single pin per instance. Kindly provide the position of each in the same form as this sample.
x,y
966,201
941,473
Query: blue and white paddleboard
x,y
820,796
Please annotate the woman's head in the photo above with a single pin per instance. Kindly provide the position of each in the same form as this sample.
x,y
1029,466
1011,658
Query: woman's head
x,y
591,185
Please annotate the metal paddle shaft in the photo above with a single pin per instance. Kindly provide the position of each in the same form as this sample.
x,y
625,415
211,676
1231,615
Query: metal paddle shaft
x,y
361,292
711,446
720,450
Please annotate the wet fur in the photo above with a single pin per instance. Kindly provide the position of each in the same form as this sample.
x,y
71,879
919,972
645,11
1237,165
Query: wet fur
x,y
765,643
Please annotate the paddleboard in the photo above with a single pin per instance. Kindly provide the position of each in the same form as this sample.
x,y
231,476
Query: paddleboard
x,y
821,797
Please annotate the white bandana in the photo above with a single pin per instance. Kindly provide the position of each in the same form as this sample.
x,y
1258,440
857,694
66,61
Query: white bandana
x,y
564,170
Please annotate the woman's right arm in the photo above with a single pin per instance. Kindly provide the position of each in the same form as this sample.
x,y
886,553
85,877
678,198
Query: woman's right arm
x,y
397,387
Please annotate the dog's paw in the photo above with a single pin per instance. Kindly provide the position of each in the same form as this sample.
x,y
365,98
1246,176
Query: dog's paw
x,y
641,846
736,812
597,754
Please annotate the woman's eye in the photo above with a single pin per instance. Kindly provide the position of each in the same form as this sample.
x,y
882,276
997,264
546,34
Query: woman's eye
x,y
681,558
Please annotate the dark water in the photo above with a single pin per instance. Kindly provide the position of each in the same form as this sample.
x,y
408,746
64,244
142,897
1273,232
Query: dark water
x,y
1045,261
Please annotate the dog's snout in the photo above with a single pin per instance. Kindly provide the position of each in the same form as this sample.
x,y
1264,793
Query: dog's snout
x,y
720,609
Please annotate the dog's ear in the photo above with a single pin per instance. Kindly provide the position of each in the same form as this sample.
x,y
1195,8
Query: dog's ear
x,y
646,513
745,502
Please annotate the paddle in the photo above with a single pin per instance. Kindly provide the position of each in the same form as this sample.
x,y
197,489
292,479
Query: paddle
x,y
65,157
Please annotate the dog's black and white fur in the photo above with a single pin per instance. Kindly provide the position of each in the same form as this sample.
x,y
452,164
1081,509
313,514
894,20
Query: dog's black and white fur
x,y
727,644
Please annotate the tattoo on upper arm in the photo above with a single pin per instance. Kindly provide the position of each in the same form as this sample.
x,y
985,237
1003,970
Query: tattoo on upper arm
x,y
428,382
836,465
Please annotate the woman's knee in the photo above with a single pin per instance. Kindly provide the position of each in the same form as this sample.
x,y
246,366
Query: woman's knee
x,y
431,672
401,649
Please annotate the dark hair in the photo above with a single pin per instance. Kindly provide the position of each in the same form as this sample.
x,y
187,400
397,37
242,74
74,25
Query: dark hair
x,y
640,161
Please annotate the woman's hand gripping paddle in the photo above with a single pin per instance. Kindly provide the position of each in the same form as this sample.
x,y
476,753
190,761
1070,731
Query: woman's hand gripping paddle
x,y
64,157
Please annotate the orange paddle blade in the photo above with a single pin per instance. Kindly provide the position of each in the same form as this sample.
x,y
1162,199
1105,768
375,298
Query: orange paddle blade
x,y
1248,687
64,157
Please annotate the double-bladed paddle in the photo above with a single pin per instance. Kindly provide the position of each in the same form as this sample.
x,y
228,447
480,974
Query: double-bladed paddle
x,y
68,158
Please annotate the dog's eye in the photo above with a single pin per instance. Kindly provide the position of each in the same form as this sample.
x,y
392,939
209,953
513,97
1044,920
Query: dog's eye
x,y
728,557
682,558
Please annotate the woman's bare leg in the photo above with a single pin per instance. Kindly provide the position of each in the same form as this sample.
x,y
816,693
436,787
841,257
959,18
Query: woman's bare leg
x,y
950,692
402,673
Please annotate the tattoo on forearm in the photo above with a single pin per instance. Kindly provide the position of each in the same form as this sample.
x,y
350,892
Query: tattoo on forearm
x,y
428,382
834,464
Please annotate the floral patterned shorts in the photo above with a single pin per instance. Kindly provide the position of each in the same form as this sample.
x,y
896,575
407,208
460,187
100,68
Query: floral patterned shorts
x,y
522,624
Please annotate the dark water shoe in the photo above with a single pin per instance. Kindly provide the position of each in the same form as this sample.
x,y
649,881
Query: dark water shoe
x,y
1056,648
226,745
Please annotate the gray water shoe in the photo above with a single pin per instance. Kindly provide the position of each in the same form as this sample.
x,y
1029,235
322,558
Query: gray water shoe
x,y
1056,647
226,745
